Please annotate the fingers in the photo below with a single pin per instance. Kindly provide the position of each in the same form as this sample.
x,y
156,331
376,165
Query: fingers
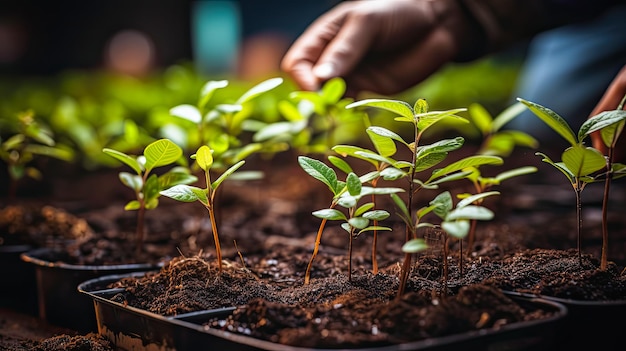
x,y
306,51
610,101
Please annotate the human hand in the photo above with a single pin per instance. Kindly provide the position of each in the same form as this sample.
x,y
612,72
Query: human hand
x,y
379,46
610,101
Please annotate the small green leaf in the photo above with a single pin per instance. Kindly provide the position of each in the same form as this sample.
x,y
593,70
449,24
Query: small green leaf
x,y
363,208
126,159
354,184
583,161
457,229
132,181
470,212
392,173
132,205
319,171
330,214
376,215
187,112
414,246
226,174
473,198
160,153
186,193
151,188
481,117
259,89
172,178
506,116
208,90
443,204
470,161
340,163
600,121
359,222
396,106
553,120
204,157
333,90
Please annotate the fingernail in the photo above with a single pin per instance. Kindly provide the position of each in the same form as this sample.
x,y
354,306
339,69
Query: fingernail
x,y
324,70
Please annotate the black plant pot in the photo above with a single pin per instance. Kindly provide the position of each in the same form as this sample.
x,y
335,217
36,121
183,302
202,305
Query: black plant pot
x,y
589,325
131,328
59,301
20,292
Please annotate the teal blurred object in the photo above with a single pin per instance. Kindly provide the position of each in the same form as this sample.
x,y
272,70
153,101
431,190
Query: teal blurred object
x,y
216,35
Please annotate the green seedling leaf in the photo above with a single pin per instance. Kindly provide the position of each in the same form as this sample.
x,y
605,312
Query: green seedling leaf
x,y
457,229
330,214
611,133
481,117
359,222
187,112
347,201
376,215
471,161
449,178
207,91
186,193
259,89
396,106
340,163
515,172
506,116
582,161
160,153
172,178
415,245
320,171
470,212
392,173
558,165
333,90
13,142
553,120
126,159
204,157
226,174
373,228
368,190
132,205
60,154
428,119
368,177
363,208
368,155
600,121
151,188
383,140
473,198
404,212
132,181
443,204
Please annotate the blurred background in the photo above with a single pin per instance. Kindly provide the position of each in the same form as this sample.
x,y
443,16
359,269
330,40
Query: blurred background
x,y
244,37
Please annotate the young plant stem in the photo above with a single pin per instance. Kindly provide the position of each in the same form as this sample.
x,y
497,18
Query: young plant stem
x,y
605,210
350,255
211,208
318,240
216,238
140,227
406,265
579,219
375,237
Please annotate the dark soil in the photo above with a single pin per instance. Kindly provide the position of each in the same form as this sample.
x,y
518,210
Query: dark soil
x,y
267,233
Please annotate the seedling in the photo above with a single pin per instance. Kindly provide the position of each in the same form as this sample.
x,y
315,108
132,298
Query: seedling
x,y
482,184
220,123
19,150
188,193
315,121
147,185
382,170
422,157
610,125
496,141
580,164
456,220
359,216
